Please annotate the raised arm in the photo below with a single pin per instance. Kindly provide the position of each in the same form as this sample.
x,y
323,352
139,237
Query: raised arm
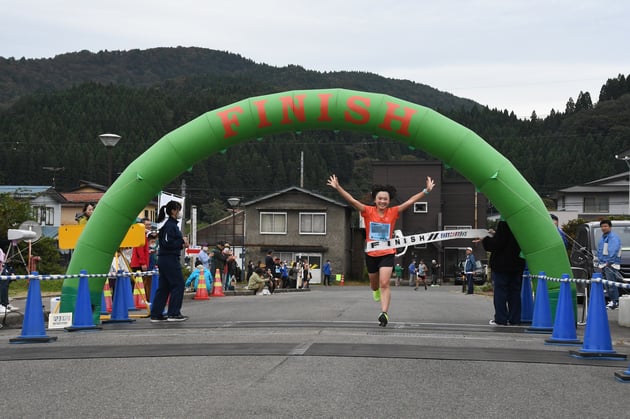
x,y
419,195
333,182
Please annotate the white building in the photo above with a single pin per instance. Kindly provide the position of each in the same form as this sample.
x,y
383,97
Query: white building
x,y
597,199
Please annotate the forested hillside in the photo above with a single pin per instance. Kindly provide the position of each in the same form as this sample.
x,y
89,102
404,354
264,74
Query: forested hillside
x,y
52,111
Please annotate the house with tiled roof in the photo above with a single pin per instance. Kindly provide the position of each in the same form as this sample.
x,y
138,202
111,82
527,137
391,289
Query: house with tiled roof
x,y
90,193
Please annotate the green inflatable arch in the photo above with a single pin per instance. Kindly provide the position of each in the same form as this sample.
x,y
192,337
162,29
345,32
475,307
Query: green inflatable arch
x,y
329,109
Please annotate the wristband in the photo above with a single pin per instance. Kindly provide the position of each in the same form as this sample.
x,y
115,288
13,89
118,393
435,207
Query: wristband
x,y
426,192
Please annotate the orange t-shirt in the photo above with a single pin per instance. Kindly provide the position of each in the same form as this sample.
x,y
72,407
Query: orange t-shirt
x,y
379,228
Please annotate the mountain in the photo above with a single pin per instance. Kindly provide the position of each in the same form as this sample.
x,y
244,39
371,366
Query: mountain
x,y
52,111
152,67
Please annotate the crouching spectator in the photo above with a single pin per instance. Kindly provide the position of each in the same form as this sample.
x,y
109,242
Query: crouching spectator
x,y
196,273
257,280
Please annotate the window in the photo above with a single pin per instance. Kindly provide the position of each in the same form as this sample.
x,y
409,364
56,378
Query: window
x,y
312,223
596,204
420,207
273,223
44,215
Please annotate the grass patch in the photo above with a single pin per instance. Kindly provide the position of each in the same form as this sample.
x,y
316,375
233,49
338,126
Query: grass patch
x,y
19,288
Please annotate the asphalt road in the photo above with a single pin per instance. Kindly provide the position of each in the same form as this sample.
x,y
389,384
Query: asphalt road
x,y
313,354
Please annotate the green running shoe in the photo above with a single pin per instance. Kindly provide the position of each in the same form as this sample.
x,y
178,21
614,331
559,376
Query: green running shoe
x,y
383,318
377,295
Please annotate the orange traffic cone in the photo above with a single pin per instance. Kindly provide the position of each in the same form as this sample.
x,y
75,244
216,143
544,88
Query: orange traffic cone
x,y
342,281
202,289
107,298
139,299
217,287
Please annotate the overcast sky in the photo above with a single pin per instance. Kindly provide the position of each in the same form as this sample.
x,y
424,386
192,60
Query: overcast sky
x,y
507,54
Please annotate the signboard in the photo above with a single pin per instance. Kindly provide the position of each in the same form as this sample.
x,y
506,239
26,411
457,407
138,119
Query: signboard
x,y
69,235
193,250
59,320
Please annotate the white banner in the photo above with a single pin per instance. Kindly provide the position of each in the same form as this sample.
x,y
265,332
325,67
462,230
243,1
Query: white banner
x,y
163,199
416,239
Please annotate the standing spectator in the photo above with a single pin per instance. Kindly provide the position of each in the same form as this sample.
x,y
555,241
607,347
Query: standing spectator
x,y
469,270
284,274
153,250
421,275
171,278
412,272
398,273
230,271
218,259
300,274
276,273
507,271
609,261
380,220
554,218
85,215
140,258
5,269
293,275
306,274
435,273
327,272
203,256
269,264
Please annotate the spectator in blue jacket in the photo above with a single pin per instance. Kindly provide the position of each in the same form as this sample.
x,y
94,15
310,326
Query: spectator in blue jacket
x,y
469,270
609,261
327,273
412,272
196,274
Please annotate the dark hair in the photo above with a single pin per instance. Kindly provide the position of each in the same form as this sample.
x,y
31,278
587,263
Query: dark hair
x,y
166,210
384,188
86,205
198,263
554,217
259,271
605,222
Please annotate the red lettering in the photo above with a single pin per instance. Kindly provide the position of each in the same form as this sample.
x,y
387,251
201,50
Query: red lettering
x,y
297,110
405,120
229,118
262,115
358,109
323,107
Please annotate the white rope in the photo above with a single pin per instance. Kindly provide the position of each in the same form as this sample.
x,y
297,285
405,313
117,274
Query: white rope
x,y
582,281
52,277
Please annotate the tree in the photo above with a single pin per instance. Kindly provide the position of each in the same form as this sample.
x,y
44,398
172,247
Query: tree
x,y
12,213
583,102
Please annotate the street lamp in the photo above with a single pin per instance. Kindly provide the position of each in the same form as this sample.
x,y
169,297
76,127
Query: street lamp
x,y
54,171
625,156
234,202
109,141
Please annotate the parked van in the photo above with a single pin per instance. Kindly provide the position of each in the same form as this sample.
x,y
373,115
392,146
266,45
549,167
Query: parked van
x,y
584,252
